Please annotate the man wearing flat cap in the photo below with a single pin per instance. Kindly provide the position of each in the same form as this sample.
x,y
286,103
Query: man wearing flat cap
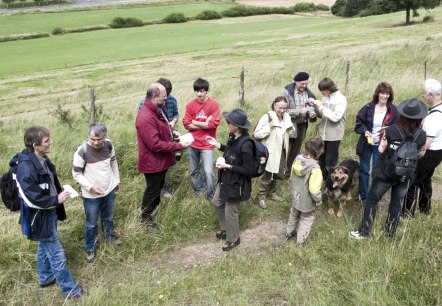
x,y
297,94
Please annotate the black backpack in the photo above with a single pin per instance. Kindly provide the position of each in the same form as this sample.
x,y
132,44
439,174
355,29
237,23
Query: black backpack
x,y
9,191
403,163
260,155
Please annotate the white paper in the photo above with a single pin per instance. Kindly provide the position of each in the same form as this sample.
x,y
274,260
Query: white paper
x,y
72,192
187,138
220,160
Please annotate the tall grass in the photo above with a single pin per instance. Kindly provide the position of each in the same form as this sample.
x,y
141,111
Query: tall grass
x,y
184,264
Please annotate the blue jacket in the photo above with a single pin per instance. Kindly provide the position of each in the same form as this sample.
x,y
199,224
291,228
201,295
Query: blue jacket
x,y
364,122
34,191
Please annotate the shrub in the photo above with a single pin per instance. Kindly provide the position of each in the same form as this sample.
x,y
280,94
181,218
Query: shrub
x,y
175,18
208,15
322,7
64,116
304,7
57,31
119,22
283,10
428,18
338,8
22,36
237,11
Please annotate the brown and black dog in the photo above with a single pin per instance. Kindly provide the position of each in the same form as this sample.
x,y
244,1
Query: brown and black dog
x,y
340,183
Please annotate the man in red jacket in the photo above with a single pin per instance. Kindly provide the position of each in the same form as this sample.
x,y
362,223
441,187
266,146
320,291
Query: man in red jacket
x,y
156,150
202,117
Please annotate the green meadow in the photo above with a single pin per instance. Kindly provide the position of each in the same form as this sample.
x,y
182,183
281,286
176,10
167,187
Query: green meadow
x,y
184,265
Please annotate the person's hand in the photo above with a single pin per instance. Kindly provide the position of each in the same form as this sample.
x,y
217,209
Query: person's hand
x,y
368,134
303,111
62,196
176,133
310,101
97,190
223,166
312,115
185,144
117,188
317,103
209,119
271,124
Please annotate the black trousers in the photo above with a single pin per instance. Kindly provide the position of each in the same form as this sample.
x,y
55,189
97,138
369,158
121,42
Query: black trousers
x,y
425,170
295,145
329,158
152,194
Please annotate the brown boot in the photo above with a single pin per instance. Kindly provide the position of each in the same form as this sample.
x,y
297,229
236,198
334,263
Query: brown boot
x,y
262,202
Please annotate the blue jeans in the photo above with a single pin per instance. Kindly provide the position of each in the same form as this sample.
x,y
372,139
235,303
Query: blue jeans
x,y
372,156
51,263
93,207
378,189
204,157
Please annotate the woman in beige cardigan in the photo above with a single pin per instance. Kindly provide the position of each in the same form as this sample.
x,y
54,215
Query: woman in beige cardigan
x,y
274,129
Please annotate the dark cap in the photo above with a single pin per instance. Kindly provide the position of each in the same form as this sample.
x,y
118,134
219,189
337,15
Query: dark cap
x,y
301,76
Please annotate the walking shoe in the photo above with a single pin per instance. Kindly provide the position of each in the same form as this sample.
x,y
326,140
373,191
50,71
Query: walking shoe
x,y
356,235
115,241
150,225
52,282
90,256
221,234
230,245
166,194
262,202
275,197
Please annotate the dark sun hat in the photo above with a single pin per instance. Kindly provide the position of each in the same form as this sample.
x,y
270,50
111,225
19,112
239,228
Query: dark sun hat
x,y
413,109
237,117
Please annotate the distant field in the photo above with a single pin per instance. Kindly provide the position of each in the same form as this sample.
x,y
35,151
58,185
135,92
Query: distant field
x,y
284,3
46,22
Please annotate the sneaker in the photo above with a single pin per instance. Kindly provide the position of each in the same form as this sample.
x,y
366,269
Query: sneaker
x,y
76,295
90,256
221,234
166,194
356,235
262,203
52,282
275,197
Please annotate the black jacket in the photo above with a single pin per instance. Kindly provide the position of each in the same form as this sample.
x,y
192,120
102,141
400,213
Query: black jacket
x,y
37,203
236,183
364,122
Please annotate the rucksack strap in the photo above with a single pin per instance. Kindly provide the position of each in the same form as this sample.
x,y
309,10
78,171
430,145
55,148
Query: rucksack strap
x,y
434,111
415,134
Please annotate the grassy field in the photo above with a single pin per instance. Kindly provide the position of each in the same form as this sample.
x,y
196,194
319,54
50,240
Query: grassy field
x,y
184,265
46,22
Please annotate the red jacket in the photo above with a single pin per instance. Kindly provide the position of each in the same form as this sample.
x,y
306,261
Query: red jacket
x,y
200,112
156,148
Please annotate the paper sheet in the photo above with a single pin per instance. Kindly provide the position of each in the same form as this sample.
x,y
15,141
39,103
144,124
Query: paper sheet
x,y
187,138
72,192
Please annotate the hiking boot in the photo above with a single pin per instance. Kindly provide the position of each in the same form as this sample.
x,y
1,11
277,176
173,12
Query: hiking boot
x,y
356,235
90,256
230,245
150,225
275,197
262,202
52,282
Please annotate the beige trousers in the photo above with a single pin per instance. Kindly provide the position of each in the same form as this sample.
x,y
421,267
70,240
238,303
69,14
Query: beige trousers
x,y
227,216
300,223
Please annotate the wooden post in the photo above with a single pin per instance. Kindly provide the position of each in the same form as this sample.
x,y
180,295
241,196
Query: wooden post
x,y
92,107
425,70
347,77
241,88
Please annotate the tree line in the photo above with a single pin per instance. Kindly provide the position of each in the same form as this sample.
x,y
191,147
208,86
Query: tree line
x,y
361,8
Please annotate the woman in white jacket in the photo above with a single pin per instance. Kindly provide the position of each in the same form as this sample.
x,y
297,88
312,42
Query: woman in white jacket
x,y
274,128
331,110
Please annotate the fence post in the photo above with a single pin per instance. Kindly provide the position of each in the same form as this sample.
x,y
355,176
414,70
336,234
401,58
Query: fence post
x,y
425,70
92,107
347,76
241,88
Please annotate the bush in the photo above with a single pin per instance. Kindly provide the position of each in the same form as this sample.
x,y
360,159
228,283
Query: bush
x,y
22,36
304,7
208,15
57,31
175,18
338,8
428,18
283,10
119,22
237,11
322,7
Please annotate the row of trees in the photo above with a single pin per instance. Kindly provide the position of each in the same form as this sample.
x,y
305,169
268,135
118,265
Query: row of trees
x,y
38,2
350,8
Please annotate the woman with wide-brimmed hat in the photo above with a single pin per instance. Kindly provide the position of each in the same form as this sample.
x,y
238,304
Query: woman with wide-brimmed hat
x,y
235,176
411,113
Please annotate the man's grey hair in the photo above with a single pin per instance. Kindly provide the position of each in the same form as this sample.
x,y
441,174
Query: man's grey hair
x,y
432,86
99,129
153,91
